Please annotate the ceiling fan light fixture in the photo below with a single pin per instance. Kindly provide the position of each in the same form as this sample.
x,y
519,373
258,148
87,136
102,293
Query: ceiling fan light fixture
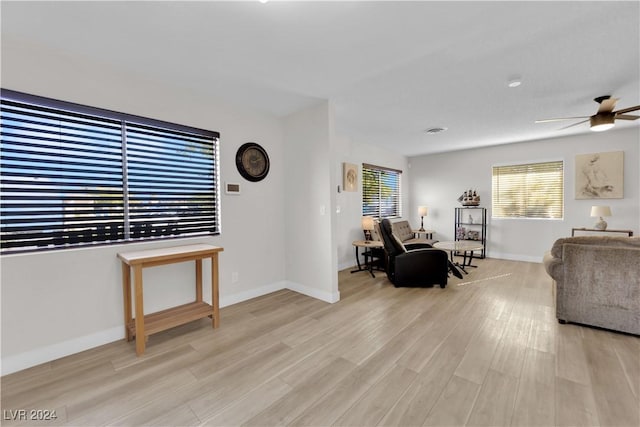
x,y
602,122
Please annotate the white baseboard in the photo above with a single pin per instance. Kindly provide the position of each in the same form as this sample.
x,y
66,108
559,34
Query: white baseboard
x,y
314,293
55,351
253,293
346,265
46,354
515,257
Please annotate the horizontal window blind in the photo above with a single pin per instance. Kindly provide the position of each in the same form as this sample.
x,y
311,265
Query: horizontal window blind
x,y
61,178
381,195
70,178
534,190
171,182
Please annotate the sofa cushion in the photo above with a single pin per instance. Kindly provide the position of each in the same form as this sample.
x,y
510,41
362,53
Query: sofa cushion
x,y
402,230
420,241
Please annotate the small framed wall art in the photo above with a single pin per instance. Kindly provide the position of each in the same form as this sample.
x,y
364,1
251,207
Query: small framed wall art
x,y
600,175
349,177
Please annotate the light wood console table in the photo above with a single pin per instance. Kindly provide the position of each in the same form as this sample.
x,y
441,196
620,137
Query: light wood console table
x,y
142,326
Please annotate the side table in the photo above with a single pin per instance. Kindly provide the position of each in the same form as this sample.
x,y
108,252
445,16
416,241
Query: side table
x,y
428,234
593,232
464,246
369,245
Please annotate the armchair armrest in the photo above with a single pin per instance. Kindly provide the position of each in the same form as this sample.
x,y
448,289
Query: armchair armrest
x,y
415,246
553,266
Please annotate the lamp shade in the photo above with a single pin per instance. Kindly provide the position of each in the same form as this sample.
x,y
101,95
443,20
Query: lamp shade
x,y
367,223
422,210
597,211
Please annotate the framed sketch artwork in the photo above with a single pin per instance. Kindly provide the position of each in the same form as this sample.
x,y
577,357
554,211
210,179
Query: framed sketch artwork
x,y
600,175
349,177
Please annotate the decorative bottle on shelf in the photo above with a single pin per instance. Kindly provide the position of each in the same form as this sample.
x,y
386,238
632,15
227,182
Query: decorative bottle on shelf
x,y
470,219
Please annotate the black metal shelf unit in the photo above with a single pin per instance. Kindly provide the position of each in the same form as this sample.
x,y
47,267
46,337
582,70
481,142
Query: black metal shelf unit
x,y
471,224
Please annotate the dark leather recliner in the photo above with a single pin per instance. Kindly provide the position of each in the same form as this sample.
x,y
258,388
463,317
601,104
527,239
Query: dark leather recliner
x,y
414,265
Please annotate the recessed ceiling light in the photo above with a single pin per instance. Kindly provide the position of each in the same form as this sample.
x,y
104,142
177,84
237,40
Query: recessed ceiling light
x,y
433,130
515,82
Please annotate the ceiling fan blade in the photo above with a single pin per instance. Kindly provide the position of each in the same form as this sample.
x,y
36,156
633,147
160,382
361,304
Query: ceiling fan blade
x,y
575,124
627,117
627,110
607,105
560,119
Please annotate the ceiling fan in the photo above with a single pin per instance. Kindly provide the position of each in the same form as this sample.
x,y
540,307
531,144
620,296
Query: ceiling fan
x,y
605,117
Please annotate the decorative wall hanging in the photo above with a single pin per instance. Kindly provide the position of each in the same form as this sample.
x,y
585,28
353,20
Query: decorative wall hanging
x,y
349,177
252,162
600,175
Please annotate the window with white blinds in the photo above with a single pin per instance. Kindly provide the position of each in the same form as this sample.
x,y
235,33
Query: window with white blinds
x,y
73,175
381,196
534,190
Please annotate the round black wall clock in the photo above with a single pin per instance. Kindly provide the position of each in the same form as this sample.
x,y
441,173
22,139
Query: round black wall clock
x,y
252,162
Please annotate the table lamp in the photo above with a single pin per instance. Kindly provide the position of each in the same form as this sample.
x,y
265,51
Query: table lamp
x,y
367,226
422,211
600,211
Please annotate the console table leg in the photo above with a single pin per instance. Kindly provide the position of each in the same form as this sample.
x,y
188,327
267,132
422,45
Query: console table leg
x,y
126,290
199,280
140,334
215,299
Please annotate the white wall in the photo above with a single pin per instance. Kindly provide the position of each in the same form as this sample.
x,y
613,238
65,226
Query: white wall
x,y
57,303
349,226
438,180
309,212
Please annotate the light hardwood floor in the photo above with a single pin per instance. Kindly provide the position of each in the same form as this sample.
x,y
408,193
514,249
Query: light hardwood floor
x,y
487,350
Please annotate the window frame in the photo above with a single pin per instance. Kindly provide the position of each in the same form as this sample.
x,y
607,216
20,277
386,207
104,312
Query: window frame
x,y
523,164
378,209
125,232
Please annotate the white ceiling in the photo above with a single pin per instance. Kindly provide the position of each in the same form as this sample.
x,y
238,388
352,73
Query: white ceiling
x,y
391,69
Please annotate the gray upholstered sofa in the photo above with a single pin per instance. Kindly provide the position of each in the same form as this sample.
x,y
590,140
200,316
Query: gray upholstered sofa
x,y
402,230
597,281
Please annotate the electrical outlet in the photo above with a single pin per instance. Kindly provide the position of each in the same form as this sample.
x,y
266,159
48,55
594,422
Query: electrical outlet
x,y
234,277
